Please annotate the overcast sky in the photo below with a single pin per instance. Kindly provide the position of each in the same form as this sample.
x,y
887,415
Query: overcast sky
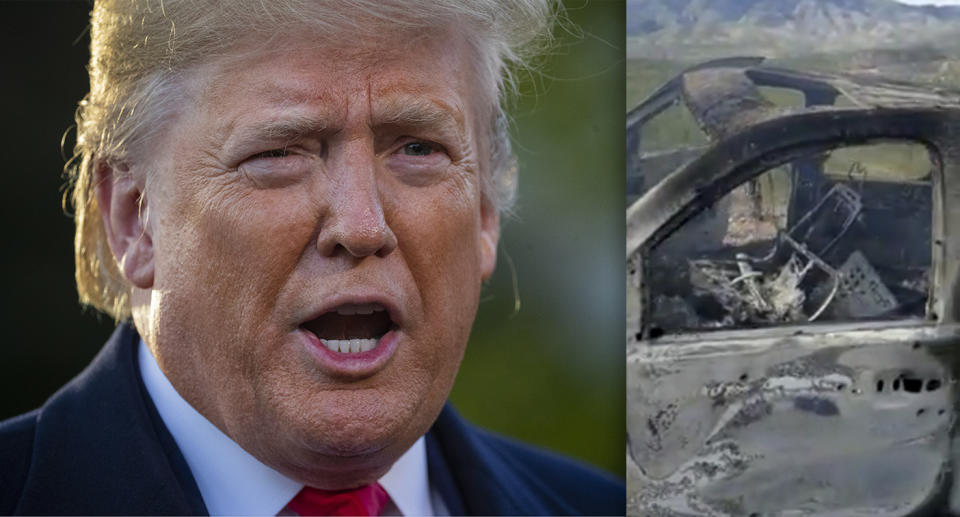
x,y
927,2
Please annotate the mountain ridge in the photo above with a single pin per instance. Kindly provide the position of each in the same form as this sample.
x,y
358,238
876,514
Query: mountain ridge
x,y
669,29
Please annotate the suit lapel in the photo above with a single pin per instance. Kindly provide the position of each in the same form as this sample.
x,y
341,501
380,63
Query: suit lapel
x,y
101,448
473,477
441,478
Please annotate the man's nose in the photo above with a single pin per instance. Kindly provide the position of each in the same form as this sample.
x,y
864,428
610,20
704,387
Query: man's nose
x,y
356,222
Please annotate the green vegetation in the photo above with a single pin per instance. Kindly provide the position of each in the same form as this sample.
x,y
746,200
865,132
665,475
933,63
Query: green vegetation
x,y
676,126
646,75
894,161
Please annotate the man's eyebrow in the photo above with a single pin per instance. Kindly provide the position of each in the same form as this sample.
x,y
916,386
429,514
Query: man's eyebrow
x,y
237,136
419,112
283,128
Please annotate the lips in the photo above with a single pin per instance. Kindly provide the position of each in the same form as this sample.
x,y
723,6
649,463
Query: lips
x,y
353,335
351,328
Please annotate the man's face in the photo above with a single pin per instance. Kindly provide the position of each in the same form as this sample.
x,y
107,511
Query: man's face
x,y
316,198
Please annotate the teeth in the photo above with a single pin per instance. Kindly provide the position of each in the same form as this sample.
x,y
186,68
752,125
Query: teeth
x,y
349,309
350,346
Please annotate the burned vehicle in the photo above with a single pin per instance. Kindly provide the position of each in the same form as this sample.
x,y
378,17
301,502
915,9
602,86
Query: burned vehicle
x,y
792,298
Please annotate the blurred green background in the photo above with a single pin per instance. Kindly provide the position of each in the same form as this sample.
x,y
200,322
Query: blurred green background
x,y
550,373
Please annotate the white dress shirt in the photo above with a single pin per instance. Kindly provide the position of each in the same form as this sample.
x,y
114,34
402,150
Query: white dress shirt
x,y
232,482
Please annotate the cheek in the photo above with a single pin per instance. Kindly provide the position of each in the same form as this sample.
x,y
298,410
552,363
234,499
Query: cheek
x,y
230,251
440,240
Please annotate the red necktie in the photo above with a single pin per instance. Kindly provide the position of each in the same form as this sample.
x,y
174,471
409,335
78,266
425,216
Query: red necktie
x,y
366,500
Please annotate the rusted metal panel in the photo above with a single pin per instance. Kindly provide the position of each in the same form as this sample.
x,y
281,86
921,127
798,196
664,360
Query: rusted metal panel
x,y
862,91
842,421
723,100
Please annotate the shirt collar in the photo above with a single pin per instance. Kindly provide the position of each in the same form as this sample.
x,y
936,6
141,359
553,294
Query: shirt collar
x,y
233,482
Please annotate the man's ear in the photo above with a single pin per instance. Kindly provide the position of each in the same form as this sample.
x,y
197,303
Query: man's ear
x,y
123,208
489,237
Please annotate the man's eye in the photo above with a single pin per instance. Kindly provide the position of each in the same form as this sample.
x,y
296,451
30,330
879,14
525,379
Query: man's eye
x,y
273,153
418,149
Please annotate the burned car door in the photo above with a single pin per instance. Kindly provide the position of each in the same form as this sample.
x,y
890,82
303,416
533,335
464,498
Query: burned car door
x,y
792,332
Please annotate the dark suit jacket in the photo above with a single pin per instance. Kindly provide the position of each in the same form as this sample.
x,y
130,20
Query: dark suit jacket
x,y
99,447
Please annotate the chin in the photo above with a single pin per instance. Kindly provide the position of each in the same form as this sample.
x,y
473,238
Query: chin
x,y
338,461
340,436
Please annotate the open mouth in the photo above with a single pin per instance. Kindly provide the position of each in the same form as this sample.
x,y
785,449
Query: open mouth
x,y
351,327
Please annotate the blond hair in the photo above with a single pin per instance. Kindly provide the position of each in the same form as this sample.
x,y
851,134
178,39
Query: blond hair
x,y
140,50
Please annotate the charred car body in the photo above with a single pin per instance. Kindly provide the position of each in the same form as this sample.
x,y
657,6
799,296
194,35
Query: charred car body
x,y
792,289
